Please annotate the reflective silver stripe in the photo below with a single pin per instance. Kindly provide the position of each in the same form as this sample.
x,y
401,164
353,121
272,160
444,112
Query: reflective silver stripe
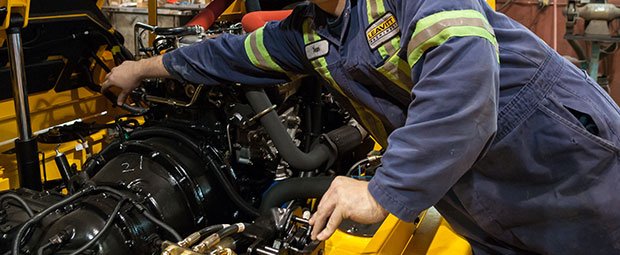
x,y
436,28
262,62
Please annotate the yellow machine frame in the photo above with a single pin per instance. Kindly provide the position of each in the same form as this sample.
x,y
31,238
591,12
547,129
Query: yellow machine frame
x,y
431,235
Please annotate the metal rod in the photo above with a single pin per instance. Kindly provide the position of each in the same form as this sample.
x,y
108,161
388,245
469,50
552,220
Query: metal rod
x,y
18,82
152,18
594,60
26,149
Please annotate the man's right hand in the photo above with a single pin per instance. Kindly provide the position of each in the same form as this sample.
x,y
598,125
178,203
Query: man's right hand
x,y
128,75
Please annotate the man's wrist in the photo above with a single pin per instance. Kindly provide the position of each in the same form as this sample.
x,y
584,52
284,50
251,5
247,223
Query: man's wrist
x,y
151,68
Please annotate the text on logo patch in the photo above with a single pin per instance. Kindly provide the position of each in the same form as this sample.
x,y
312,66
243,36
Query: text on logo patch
x,y
382,30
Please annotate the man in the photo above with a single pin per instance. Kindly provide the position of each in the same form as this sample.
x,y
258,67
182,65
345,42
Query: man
x,y
517,148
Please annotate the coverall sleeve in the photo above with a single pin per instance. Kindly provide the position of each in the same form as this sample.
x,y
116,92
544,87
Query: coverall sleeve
x,y
450,122
266,56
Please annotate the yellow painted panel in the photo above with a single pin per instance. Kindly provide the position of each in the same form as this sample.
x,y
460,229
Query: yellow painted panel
x,y
432,235
491,3
49,109
4,184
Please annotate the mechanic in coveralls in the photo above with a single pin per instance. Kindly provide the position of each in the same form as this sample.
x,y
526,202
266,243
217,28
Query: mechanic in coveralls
x,y
516,147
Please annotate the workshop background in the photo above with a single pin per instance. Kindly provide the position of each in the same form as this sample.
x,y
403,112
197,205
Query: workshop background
x,y
538,16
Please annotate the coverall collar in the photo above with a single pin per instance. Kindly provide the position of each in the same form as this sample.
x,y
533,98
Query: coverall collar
x,y
320,24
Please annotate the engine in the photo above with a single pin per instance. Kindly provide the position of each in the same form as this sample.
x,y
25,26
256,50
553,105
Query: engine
x,y
211,170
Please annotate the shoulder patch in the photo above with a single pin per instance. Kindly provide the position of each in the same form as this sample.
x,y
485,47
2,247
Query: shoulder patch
x,y
317,49
382,30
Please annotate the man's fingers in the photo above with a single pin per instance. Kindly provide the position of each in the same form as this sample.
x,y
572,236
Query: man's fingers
x,y
318,220
105,85
334,221
121,98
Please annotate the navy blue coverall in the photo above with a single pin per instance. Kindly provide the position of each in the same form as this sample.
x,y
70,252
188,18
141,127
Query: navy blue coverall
x,y
517,148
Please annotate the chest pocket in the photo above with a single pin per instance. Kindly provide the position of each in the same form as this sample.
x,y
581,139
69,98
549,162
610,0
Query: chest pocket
x,y
383,35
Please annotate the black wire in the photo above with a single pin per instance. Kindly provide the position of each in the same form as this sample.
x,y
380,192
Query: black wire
x,y
103,230
356,165
163,225
43,247
26,226
20,200
103,189
143,210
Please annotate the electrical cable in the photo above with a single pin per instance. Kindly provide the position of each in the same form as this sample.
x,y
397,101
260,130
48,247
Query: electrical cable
x,y
20,200
363,161
88,190
163,225
44,213
144,212
104,229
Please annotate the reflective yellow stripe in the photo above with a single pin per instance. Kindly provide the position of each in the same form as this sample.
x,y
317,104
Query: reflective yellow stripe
x,y
376,9
258,54
369,120
436,29
398,71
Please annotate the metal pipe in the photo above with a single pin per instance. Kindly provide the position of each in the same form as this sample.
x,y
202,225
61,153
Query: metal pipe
x,y
555,25
18,82
26,150
152,18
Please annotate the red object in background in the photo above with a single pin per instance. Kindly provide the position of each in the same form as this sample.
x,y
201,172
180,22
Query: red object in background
x,y
255,20
171,1
209,14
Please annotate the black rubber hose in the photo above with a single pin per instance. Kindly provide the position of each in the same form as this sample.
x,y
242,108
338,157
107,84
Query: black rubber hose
x,y
219,175
281,139
212,229
20,200
296,188
177,31
345,138
103,230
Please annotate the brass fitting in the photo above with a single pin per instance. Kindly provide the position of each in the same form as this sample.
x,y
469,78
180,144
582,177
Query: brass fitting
x,y
206,244
188,241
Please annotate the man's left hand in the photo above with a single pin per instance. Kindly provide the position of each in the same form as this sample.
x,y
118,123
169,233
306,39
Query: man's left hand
x,y
346,198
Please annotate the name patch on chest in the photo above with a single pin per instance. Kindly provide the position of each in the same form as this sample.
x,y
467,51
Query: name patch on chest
x,y
382,30
317,49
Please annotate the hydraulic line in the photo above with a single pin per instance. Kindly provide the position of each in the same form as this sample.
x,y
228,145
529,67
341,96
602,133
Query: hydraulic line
x,y
214,239
103,230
